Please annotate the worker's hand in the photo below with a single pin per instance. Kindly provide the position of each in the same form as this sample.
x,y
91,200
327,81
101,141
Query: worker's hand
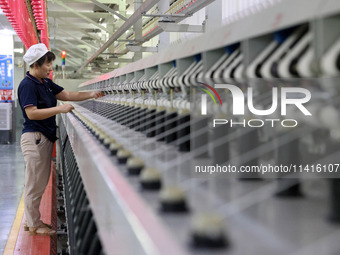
x,y
65,108
96,94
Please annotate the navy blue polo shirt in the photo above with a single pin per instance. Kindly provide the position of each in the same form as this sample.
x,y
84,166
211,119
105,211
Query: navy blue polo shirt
x,y
32,92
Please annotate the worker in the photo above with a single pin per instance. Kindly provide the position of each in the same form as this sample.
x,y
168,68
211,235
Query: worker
x,y
38,101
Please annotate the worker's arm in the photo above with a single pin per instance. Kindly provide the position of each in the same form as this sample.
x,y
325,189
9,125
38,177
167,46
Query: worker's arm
x,y
33,113
77,96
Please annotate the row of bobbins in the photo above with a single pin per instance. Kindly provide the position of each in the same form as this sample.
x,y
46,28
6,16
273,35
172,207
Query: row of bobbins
x,y
207,229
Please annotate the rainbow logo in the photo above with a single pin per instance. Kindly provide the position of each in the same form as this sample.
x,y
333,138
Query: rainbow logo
x,y
204,97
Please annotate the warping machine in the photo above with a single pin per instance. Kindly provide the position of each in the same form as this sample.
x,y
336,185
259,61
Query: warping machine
x,y
157,167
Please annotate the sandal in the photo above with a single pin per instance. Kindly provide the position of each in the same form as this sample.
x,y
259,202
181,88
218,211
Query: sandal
x,y
26,228
42,231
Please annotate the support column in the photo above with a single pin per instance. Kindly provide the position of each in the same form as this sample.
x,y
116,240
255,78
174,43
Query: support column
x,y
164,38
138,30
213,14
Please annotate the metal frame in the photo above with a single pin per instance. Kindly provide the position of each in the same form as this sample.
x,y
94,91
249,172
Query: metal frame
x,y
147,5
279,16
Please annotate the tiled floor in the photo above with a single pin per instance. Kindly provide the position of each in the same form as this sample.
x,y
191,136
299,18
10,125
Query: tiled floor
x,y
12,172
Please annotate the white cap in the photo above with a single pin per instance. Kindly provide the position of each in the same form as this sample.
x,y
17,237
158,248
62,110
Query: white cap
x,y
34,53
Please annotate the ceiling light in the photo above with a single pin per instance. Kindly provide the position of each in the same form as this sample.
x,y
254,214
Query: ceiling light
x,y
7,32
19,50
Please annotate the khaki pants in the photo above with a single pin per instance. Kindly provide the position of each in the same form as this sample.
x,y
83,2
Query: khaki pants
x,y
38,168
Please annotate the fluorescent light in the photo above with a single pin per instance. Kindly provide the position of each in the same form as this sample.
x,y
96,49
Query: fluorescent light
x,y
7,32
19,50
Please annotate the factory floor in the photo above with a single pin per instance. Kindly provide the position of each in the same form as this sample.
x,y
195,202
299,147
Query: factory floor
x,y
12,174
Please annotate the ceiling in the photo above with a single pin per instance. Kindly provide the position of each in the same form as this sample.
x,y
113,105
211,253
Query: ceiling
x,y
85,29
81,27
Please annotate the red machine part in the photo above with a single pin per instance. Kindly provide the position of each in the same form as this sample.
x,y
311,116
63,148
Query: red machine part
x,y
19,17
39,13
